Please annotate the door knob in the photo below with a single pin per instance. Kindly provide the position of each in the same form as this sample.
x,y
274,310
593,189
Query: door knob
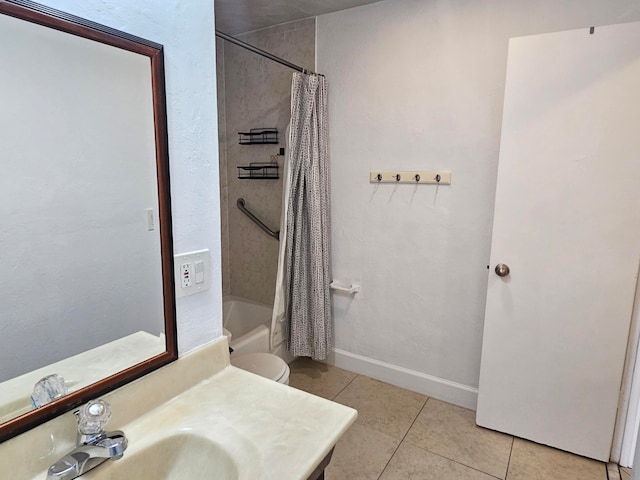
x,y
502,270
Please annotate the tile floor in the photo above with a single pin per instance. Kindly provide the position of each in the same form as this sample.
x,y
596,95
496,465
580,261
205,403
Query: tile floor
x,y
403,435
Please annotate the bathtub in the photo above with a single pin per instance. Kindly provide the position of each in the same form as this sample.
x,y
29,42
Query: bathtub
x,y
248,322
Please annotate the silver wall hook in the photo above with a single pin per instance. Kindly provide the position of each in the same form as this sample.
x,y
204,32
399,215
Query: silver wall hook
x,y
417,177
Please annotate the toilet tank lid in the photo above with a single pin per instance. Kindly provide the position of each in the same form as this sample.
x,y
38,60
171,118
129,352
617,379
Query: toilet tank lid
x,y
263,364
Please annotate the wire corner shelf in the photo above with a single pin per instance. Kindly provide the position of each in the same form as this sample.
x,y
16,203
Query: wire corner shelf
x,y
259,136
259,171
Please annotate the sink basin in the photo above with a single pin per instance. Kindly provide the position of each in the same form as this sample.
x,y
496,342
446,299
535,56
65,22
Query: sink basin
x,y
197,418
179,456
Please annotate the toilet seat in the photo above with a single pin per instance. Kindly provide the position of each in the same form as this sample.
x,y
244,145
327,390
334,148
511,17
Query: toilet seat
x,y
264,364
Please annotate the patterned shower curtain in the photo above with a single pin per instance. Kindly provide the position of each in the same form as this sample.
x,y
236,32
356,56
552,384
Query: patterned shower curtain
x,y
308,234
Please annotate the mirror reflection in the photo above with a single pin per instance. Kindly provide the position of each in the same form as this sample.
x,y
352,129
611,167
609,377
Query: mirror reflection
x,y
81,283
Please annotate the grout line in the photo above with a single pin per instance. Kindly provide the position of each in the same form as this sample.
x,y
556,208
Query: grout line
x,y
613,471
506,473
442,456
427,450
403,437
343,388
459,463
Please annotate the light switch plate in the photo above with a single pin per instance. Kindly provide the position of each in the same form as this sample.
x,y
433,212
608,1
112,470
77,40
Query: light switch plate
x,y
196,266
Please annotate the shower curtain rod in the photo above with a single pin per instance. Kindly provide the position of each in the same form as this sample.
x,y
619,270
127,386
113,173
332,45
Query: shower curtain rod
x,y
268,55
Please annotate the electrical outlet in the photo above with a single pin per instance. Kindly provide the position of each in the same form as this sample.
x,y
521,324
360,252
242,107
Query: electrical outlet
x,y
191,273
186,275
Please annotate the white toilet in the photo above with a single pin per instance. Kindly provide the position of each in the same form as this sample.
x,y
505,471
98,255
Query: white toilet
x,y
266,365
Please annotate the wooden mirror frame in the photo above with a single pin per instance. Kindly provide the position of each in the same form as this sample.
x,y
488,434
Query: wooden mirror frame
x,y
51,18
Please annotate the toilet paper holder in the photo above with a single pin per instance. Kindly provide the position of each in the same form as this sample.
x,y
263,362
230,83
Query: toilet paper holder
x,y
351,289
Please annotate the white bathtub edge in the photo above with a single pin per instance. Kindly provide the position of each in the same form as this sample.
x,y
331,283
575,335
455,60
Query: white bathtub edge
x,y
254,341
234,298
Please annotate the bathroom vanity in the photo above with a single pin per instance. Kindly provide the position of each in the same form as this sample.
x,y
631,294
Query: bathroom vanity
x,y
198,417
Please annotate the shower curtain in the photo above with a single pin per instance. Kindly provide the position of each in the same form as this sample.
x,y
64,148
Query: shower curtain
x,y
302,293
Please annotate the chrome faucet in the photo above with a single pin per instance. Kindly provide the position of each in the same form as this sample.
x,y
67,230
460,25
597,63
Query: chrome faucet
x,y
94,444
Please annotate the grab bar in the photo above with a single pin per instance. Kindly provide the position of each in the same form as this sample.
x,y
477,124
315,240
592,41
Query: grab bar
x,y
256,220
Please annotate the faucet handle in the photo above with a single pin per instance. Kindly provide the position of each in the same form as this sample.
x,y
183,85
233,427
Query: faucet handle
x,y
93,417
48,389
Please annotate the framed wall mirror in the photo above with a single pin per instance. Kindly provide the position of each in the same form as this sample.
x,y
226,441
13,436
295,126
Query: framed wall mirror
x,y
86,281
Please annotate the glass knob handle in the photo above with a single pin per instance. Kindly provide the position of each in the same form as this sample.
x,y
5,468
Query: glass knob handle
x,y
502,270
93,417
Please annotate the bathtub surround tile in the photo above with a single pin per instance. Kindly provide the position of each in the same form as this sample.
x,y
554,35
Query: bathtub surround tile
x,y
222,153
451,431
414,463
530,461
319,378
362,453
283,27
289,40
303,51
382,407
257,93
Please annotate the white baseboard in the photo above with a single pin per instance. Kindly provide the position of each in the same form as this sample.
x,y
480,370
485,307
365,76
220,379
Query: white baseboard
x,y
429,385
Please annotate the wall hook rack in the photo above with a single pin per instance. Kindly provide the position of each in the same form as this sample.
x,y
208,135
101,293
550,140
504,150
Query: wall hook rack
x,y
415,177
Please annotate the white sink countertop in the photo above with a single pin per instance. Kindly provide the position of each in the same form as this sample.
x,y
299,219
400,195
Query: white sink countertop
x,y
80,370
270,430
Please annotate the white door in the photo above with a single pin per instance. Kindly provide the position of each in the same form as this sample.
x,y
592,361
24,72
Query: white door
x,y
567,224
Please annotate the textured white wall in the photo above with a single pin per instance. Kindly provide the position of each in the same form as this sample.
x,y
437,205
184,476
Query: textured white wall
x,y
418,85
186,29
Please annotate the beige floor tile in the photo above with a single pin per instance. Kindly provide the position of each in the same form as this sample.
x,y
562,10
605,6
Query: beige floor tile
x,y
530,461
613,471
361,454
382,407
318,378
625,473
413,463
451,431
